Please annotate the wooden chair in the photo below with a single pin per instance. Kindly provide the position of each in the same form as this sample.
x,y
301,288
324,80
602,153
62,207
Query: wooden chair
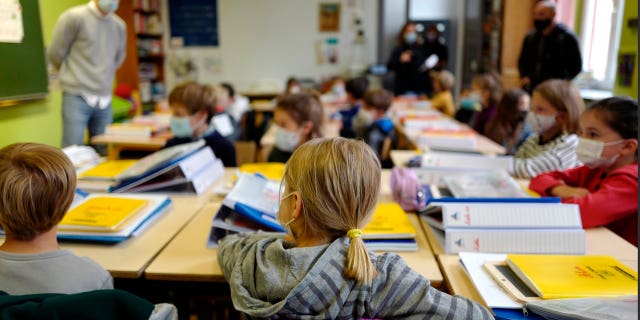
x,y
245,152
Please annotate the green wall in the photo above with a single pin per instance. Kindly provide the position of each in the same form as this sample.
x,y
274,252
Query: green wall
x,y
40,120
629,44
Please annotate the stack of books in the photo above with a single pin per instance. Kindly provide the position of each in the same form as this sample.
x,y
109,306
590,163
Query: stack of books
x,y
185,168
253,202
521,226
111,218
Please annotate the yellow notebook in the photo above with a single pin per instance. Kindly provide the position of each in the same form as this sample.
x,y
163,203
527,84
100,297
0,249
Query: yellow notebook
x,y
107,170
102,213
270,170
562,276
389,221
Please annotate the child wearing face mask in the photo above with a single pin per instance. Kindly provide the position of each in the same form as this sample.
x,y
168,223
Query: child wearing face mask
x,y
356,88
508,127
192,107
330,190
486,90
556,106
606,186
376,104
298,119
442,82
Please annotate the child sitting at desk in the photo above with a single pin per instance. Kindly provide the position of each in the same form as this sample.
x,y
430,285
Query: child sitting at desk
x,y
232,106
298,119
606,187
193,106
356,88
442,82
379,135
556,106
37,186
508,127
330,190
487,90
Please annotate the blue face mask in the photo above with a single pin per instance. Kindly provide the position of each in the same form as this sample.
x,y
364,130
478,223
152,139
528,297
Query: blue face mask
x,y
180,127
410,38
108,6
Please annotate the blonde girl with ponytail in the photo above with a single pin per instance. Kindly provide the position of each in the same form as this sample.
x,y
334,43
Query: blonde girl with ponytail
x,y
322,268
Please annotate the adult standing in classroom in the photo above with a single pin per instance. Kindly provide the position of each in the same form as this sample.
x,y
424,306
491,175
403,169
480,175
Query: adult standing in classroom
x,y
406,61
551,51
87,46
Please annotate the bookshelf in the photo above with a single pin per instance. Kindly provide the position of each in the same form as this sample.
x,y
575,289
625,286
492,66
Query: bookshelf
x,y
143,67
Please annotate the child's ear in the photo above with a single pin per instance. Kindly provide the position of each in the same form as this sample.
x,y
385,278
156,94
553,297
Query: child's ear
x,y
629,146
307,127
297,205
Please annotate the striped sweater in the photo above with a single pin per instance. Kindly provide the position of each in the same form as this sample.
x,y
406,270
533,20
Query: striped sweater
x,y
269,280
533,158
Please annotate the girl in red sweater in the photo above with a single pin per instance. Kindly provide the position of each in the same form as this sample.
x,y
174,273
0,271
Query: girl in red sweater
x,y
606,186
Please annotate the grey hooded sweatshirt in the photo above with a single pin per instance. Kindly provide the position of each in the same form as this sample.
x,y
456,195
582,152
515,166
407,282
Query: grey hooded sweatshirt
x,y
270,280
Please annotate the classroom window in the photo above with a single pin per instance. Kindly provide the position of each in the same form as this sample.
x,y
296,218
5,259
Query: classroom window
x,y
601,24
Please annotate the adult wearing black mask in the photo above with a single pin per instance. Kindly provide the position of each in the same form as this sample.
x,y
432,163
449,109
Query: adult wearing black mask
x,y
550,51
406,60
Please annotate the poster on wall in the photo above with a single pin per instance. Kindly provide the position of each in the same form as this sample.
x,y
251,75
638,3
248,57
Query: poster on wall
x,y
11,29
327,51
329,17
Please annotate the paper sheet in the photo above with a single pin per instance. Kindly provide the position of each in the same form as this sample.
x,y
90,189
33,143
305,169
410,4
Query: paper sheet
x,y
491,292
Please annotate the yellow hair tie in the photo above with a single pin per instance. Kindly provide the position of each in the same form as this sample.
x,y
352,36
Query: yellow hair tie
x,y
354,233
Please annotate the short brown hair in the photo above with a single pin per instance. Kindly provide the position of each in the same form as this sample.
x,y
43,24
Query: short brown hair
x,y
303,107
37,185
378,99
444,78
565,97
195,97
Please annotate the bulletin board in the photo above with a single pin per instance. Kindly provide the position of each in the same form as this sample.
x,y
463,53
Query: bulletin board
x,y
23,71
194,22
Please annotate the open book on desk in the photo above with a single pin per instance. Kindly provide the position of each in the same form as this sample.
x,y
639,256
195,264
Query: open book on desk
x,y
190,168
111,218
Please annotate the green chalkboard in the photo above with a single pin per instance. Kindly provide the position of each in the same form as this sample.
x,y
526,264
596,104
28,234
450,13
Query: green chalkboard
x,y
23,71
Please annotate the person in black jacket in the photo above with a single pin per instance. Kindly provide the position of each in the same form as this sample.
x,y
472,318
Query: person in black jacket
x,y
551,51
406,61
193,106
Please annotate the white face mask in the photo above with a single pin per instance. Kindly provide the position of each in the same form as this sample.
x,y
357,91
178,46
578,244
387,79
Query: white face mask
x,y
540,123
109,6
590,153
287,140
366,117
286,225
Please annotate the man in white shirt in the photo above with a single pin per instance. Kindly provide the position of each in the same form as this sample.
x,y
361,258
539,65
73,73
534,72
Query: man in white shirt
x,y
87,47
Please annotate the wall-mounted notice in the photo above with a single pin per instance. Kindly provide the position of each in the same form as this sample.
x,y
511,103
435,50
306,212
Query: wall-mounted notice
x,y
194,21
11,29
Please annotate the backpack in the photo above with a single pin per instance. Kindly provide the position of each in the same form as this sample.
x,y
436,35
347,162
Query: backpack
x,y
407,190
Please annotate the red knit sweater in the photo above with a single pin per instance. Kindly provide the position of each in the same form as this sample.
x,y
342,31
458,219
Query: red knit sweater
x,y
612,200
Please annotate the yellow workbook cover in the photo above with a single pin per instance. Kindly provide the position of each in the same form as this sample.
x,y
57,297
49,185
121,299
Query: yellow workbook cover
x,y
107,170
270,170
565,276
389,221
108,213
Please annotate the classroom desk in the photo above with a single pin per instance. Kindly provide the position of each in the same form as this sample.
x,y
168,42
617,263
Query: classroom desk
x,y
599,241
187,258
115,144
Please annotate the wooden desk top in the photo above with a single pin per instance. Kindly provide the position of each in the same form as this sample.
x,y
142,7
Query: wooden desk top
x,y
599,241
151,142
187,258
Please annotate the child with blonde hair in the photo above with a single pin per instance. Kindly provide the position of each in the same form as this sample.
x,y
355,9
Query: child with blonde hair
x,y
442,100
555,108
608,147
37,186
330,190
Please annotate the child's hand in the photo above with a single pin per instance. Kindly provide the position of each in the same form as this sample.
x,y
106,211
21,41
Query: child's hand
x,y
564,191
